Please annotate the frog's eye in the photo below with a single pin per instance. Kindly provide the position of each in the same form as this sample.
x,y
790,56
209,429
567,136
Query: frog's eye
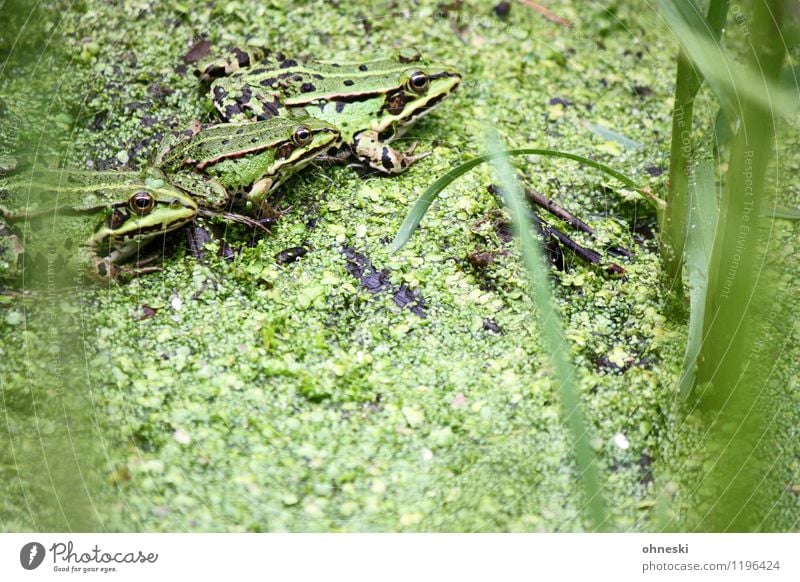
x,y
141,203
418,82
301,135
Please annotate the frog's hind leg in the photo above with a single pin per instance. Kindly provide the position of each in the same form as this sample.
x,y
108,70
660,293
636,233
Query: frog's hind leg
x,y
209,192
371,151
234,59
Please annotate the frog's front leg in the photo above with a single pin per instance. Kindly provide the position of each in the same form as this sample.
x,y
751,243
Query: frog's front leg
x,y
379,156
257,198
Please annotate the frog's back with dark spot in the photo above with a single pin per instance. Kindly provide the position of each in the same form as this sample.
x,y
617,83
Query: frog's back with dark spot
x,y
278,81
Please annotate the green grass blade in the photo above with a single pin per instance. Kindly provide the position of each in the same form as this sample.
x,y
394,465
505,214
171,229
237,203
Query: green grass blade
x,y
703,215
786,213
553,337
732,84
611,135
422,204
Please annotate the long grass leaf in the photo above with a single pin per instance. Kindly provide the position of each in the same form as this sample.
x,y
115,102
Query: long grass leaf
x,y
703,216
422,204
554,341
786,213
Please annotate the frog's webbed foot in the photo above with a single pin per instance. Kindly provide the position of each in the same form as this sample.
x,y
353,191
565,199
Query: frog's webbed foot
x,y
107,270
103,270
371,151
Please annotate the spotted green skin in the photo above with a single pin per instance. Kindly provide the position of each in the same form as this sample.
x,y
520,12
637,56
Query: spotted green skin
x,y
223,163
371,102
75,222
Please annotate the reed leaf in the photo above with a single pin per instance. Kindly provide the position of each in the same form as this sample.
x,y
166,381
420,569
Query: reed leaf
x,y
703,216
732,84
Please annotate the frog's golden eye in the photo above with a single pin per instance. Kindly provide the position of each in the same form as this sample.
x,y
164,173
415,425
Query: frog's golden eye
x,y
301,135
141,203
418,82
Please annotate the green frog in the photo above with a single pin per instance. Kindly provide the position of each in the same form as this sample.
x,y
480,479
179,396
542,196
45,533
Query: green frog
x,y
86,221
103,218
371,102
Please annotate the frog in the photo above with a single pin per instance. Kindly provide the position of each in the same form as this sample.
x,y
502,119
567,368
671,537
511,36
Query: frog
x,y
85,222
372,102
230,164
203,171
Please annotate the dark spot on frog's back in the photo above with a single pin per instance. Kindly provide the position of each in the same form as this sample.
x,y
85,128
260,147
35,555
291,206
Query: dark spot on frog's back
x,y
241,57
386,159
245,96
270,110
307,88
363,68
231,110
348,83
288,63
340,106
268,82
